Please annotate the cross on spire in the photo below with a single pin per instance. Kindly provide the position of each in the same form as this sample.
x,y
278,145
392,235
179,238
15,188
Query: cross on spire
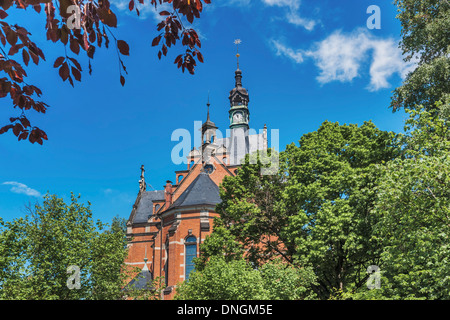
x,y
237,42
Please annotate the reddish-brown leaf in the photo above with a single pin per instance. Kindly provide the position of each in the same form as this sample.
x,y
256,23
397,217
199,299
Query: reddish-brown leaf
x,y
25,122
199,56
3,14
64,71
76,63
11,36
74,46
156,40
25,57
23,135
14,49
17,129
91,51
59,61
76,73
123,47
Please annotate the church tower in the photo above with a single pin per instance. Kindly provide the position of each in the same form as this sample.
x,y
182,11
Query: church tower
x,y
171,223
239,116
208,137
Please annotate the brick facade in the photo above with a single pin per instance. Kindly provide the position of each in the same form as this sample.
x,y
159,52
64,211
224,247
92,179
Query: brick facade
x,y
167,226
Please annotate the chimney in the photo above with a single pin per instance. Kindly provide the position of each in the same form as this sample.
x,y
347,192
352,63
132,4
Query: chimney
x,y
168,193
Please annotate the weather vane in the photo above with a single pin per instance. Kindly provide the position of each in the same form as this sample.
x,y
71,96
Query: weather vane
x,y
237,42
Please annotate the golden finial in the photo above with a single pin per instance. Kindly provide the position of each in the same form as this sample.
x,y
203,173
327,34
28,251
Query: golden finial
x,y
237,42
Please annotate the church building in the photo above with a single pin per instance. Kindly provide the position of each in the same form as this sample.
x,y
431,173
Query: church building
x,y
167,226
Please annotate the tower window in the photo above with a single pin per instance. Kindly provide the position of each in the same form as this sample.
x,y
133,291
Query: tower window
x,y
157,208
190,254
209,168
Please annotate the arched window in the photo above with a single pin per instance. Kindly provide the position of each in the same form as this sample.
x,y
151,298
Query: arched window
x,y
157,208
180,177
190,254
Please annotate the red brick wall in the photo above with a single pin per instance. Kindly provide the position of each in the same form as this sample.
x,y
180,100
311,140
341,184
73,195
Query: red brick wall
x,y
190,222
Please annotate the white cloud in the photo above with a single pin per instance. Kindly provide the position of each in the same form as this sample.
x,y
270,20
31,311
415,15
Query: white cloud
x,y
108,191
340,57
387,60
292,9
292,14
146,10
18,187
282,50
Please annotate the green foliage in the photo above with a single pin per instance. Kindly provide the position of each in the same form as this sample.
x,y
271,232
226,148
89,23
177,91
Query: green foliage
x,y
428,84
425,28
414,206
237,280
331,187
221,242
425,38
37,250
221,280
314,212
286,282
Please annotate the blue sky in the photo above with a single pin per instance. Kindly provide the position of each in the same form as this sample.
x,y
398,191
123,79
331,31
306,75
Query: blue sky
x,y
303,62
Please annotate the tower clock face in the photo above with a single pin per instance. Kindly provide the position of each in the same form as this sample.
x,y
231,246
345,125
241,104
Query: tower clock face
x,y
237,117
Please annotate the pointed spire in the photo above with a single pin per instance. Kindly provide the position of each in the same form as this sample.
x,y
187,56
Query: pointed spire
x,y
237,42
238,73
208,122
142,184
208,104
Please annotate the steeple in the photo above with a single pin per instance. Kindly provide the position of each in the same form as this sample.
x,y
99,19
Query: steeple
x,y
208,130
208,124
239,98
208,105
142,184
238,72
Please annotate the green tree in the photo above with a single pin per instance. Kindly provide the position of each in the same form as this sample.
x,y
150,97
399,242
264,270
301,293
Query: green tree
x,y
37,250
222,280
286,282
425,38
315,212
413,203
236,279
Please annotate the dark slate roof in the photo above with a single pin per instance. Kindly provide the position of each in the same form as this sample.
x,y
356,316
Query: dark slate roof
x,y
201,191
142,281
145,206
